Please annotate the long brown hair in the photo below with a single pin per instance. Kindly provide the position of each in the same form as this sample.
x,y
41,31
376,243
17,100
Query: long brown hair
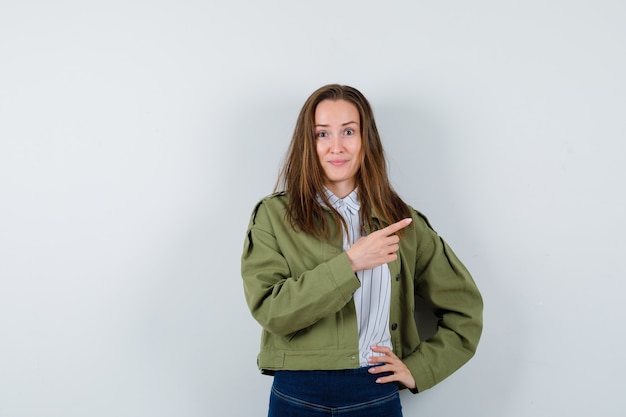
x,y
303,179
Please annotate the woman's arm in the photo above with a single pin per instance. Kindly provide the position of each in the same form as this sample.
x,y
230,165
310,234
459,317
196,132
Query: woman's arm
x,y
444,282
282,301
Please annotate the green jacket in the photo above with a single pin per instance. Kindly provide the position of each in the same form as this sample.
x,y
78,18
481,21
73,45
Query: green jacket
x,y
299,288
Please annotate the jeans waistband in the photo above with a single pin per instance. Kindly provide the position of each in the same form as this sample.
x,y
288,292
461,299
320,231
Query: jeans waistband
x,y
333,388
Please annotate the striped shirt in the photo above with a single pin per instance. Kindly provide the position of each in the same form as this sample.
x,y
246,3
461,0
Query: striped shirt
x,y
372,299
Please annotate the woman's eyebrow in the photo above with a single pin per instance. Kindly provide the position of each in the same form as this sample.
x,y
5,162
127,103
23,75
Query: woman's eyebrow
x,y
343,124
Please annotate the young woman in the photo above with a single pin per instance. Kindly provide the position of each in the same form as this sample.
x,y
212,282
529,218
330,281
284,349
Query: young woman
x,y
332,266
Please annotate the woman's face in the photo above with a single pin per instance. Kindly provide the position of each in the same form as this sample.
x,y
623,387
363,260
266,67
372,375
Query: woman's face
x,y
338,141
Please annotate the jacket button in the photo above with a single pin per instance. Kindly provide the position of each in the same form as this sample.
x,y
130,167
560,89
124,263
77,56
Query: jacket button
x,y
398,277
394,326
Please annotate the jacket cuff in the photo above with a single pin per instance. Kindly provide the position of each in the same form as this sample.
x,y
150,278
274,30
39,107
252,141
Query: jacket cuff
x,y
344,277
422,373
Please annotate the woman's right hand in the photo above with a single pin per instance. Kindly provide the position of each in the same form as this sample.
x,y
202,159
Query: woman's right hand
x,y
377,248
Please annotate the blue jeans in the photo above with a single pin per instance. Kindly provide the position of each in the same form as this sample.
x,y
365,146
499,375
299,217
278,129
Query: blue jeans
x,y
345,393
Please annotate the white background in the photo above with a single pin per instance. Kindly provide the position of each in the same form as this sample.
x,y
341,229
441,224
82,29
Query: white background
x,y
136,136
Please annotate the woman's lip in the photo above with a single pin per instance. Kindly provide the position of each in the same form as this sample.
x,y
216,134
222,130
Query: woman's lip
x,y
337,162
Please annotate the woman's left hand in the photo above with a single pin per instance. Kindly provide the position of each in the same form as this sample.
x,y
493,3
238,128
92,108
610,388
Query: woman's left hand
x,y
391,363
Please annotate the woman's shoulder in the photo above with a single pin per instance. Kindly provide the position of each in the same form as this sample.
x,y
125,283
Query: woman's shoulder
x,y
277,199
271,205
419,218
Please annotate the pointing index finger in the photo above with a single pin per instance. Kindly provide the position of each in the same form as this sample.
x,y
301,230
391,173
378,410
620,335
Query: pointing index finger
x,y
393,228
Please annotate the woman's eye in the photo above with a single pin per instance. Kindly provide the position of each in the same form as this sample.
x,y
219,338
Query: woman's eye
x,y
349,132
321,135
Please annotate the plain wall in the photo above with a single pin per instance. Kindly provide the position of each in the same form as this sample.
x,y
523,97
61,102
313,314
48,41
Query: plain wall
x,y
136,137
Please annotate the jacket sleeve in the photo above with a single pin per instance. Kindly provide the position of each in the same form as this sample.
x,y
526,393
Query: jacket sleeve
x,y
281,300
444,282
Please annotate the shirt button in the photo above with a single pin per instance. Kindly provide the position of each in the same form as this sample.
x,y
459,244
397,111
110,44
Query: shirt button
x,y
394,326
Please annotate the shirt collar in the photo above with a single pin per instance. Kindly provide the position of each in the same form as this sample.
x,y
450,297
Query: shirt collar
x,y
351,200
